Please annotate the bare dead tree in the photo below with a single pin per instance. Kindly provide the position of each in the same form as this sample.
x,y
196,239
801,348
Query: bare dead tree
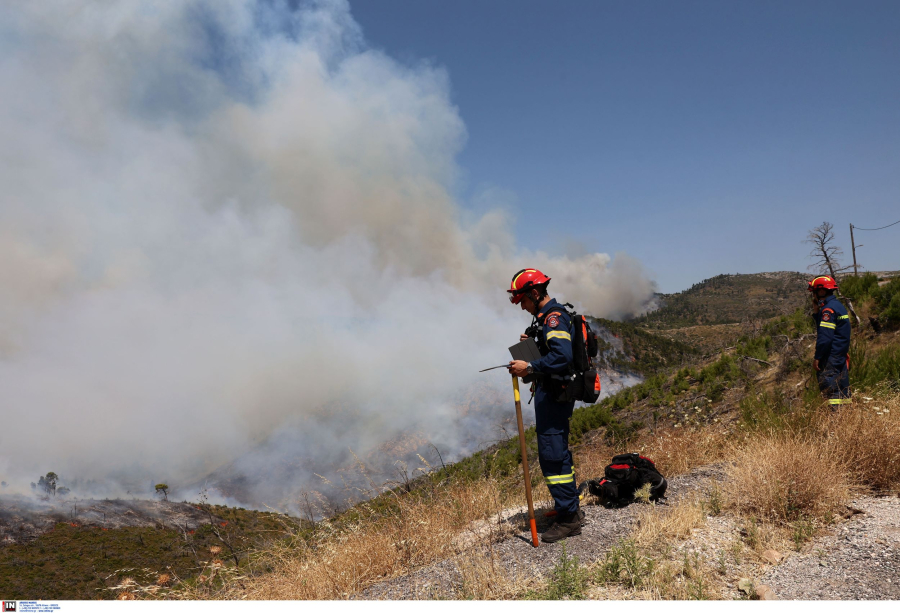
x,y
826,257
825,253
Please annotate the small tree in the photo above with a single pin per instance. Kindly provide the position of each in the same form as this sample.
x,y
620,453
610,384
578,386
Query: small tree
x,y
826,256
48,483
163,490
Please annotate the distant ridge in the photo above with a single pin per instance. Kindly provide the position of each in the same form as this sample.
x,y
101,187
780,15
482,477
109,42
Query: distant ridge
x,y
729,299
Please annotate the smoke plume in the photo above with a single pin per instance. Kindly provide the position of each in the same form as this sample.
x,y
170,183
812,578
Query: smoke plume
x,y
227,226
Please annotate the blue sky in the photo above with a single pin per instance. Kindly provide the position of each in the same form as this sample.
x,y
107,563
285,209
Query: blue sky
x,y
699,137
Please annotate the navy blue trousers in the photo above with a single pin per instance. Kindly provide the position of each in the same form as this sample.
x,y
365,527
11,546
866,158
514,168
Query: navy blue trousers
x,y
552,426
834,380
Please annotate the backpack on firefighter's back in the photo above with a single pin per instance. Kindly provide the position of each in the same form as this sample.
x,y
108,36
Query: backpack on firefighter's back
x,y
584,350
627,473
585,379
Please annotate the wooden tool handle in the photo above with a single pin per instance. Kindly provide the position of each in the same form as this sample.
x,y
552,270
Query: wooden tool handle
x,y
524,449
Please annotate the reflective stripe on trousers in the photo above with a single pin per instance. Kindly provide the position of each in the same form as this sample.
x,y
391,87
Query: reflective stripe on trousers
x,y
552,427
834,381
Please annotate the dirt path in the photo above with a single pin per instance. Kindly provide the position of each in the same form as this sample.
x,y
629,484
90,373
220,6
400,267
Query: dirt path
x,y
859,560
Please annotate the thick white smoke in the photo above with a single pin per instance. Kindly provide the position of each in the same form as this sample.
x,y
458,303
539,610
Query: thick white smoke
x,y
226,224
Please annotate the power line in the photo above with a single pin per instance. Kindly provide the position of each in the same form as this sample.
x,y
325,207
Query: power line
x,y
881,228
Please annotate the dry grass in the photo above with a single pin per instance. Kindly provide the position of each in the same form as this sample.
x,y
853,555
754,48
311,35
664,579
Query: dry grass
x,y
679,450
866,438
759,536
341,562
591,459
689,578
675,451
657,526
483,578
786,478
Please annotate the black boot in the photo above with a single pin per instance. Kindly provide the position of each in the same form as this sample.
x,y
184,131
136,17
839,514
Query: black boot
x,y
565,526
581,517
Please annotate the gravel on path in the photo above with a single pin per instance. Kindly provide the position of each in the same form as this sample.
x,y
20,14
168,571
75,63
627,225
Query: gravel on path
x,y
859,560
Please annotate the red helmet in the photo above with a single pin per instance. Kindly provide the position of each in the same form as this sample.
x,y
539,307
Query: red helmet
x,y
524,280
824,282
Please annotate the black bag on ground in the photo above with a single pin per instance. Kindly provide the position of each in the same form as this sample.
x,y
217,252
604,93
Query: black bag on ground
x,y
627,473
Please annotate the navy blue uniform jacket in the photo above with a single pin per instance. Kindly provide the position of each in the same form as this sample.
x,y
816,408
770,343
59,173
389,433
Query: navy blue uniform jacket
x,y
554,340
833,331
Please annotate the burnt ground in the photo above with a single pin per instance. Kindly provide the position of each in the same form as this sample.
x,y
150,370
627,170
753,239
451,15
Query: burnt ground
x,y
58,549
23,518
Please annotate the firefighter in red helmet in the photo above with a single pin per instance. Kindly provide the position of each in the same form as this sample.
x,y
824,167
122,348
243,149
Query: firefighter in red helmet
x,y
831,361
552,331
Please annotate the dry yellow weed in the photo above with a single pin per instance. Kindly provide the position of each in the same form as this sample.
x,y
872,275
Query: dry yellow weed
x,y
786,478
657,525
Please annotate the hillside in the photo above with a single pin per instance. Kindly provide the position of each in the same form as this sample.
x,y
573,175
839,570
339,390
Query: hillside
x,y
730,430
754,400
714,313
458,532
80,549
729,299
627,354
623,346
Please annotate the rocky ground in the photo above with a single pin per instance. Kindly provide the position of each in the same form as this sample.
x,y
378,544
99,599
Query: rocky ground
x,y
859,560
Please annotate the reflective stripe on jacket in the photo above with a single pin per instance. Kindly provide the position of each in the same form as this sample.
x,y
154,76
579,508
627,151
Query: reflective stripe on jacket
x,y
554,340
832,330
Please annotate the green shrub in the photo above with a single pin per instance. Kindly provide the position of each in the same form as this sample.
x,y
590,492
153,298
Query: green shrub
x,y
568,580
796,324
775,412
590,418
887,301
758,347
802,530
714,391
626,565
642,391
725,368
870,368
859,288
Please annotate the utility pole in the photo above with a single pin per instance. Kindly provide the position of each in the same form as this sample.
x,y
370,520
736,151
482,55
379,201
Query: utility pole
x,y
855,269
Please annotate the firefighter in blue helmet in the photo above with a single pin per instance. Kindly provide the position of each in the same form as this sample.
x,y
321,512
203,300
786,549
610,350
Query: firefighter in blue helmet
x,y
553,334
832,342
